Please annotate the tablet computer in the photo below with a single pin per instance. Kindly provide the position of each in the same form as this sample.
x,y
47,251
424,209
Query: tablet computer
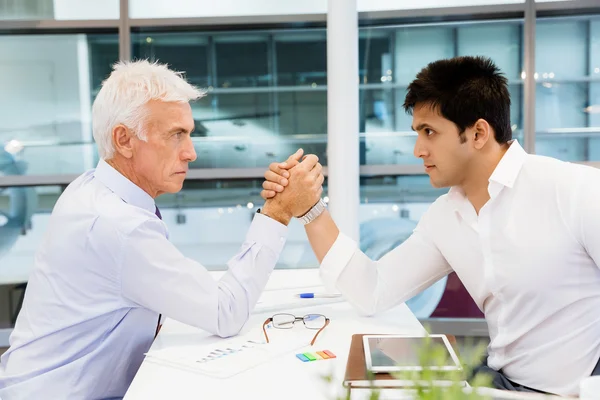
x,y
392,353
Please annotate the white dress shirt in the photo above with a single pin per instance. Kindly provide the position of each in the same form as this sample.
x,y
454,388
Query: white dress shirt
x,y
529,260
103,273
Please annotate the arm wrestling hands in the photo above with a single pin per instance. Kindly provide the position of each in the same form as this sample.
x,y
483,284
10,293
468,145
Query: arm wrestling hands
x,y
292,187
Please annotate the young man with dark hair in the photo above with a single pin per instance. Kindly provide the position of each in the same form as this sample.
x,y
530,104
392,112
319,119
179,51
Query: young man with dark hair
x,y
521,231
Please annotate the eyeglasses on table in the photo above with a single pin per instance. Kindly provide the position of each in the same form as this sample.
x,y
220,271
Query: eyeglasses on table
x,y
287,321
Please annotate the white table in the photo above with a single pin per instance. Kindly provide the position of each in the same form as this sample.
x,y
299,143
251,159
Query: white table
x,y
285,377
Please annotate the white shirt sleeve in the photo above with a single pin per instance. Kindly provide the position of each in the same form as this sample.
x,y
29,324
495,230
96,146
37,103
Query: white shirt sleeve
x,y
155,275
374,286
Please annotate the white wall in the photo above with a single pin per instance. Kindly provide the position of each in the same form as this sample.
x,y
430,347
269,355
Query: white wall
x,y
209,8
109,9
45,96
86,9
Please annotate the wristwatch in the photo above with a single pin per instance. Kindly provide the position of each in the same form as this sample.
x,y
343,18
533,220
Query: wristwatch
x,y
313,213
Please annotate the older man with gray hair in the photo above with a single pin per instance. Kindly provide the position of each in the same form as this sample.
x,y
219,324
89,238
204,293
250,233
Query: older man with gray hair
x,y
106,270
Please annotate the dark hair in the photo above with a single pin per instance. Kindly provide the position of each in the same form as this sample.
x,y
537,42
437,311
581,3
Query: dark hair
x,y
465,89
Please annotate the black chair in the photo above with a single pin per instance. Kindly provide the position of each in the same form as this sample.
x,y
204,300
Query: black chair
x,y
14,311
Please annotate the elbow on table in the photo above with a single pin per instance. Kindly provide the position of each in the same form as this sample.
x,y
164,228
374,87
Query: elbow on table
x,y
224,334
231,323
229,328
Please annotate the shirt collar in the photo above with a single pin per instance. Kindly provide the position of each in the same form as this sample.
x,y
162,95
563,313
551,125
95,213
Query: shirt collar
x,y
455,193
508,168
128,191
505,173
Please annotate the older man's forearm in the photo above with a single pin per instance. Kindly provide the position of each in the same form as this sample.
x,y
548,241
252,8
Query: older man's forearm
x,y
322,233
249,271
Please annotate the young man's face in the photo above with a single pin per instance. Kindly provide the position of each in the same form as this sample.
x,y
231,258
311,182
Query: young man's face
x,y
445,153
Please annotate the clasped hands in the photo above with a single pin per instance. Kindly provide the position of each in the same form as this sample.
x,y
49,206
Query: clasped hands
x,y
292,187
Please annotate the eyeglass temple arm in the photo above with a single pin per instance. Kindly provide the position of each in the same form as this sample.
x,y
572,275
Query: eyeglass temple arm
x,y
324,326
264,330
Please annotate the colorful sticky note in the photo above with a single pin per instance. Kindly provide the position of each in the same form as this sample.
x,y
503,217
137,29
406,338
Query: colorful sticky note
x,y
317,355
330,354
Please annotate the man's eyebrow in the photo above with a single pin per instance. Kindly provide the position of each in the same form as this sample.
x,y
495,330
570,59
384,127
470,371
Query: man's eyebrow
x,y
420,126
180,128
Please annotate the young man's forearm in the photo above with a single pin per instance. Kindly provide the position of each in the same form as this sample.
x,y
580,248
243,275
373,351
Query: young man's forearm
x,y
322,233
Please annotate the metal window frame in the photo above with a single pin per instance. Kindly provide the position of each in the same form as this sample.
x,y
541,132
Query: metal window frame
x,y
530,83
124,31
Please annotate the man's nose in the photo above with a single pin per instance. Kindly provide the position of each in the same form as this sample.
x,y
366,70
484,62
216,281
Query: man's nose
x,y
189,153
420,149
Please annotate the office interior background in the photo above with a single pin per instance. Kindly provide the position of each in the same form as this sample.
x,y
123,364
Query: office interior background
x,y
264,66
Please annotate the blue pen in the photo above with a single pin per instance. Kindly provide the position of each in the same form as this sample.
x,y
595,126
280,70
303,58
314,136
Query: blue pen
x,y
317,295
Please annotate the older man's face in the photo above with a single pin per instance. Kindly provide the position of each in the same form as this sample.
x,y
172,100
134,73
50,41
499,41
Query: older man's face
x,y
161,163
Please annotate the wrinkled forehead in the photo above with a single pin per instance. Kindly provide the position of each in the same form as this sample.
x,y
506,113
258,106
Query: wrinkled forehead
x,y
168,116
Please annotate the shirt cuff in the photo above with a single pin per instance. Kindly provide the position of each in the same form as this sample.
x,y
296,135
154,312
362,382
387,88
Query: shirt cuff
x,y
335,261
267,232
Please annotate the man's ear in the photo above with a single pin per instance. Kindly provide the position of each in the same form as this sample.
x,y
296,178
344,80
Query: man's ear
x,y
482,133
122,138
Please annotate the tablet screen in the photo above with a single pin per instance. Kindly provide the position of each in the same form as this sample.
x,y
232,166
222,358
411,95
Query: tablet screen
x,y
402,351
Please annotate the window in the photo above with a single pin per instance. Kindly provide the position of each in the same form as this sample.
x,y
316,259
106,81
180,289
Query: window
x,y
186,53
242,61
48,85
567,82
266,92
390,59
301,58
208,221
301,101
